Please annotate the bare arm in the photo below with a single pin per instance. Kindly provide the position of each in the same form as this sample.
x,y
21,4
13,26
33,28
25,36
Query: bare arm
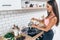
x,y
36,19
49,26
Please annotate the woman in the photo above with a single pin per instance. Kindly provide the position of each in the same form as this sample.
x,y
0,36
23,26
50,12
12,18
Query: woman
x,y
51,20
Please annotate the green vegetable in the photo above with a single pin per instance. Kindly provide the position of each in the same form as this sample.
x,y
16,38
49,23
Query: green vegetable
x,y
9,35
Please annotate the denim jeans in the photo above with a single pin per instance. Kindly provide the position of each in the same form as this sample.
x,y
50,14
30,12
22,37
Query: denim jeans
x,y
48,35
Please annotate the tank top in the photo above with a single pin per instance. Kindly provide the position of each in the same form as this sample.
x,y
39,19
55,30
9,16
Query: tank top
x,y
46,21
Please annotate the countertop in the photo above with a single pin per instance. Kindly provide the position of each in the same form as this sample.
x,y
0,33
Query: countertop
x,y
27,36
1,38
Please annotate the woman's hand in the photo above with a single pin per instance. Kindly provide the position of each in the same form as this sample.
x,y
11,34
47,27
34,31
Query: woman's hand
x,y
38,27
36,19
33,19
35,26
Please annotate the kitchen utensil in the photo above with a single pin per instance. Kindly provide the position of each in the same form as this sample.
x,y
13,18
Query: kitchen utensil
x,y
31,31
31,5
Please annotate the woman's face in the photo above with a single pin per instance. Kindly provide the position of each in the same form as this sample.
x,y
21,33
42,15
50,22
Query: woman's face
x,y
49,7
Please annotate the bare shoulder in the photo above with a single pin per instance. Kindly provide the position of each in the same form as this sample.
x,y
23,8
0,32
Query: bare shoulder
x,y
54,19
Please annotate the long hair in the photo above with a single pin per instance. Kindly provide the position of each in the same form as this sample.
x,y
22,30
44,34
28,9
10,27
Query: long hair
x,y
55,9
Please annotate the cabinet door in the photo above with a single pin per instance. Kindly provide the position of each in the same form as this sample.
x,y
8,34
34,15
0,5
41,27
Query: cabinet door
x,y
10,4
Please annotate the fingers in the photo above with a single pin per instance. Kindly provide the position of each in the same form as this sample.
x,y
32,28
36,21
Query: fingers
x,y
34,26
33,19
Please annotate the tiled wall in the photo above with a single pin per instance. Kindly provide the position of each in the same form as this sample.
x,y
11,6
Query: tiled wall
x,y
8,19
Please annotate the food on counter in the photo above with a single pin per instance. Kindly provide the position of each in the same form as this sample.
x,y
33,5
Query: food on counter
x,y
16,30
35,22
20,38
9,36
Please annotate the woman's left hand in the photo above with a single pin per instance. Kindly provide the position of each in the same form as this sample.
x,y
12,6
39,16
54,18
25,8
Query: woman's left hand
x,y
34,26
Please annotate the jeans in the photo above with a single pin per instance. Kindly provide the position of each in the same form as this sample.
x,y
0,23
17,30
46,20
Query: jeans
x,y
48,35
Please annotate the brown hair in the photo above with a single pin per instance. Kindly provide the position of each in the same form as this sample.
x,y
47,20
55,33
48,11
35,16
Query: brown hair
x,y
55,9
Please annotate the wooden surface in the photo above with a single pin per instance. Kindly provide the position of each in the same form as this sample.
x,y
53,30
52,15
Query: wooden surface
x,y
27,36
1,38
32,38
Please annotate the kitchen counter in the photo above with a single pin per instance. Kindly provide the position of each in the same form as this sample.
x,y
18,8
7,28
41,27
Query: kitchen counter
x,y
1,38
32,38
27,37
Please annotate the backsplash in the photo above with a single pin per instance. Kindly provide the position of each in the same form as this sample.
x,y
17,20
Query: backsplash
x,y
8,19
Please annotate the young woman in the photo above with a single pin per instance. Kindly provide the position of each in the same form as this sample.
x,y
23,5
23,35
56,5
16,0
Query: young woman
x,y
51,20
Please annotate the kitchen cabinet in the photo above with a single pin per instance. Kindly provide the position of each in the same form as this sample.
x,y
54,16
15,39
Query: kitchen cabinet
x,y
10,4
22,4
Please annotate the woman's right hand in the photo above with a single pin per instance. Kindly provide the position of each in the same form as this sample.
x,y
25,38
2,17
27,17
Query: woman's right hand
x,y
35,19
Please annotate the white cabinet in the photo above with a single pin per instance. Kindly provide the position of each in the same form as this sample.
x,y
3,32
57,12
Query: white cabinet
x,y
22,4
10,4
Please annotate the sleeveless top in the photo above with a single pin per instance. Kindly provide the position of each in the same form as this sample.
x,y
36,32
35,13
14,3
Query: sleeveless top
x,y
46,21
